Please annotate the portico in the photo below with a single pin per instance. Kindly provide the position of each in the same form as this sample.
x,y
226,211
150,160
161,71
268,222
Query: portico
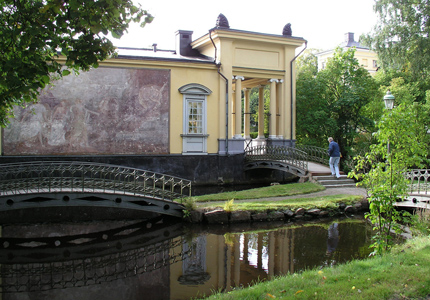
x,y
248,60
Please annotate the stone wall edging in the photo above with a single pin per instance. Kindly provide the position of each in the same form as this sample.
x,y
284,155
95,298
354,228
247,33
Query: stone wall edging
x,y
220,216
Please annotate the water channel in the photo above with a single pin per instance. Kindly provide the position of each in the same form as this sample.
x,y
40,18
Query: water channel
x,y
164,260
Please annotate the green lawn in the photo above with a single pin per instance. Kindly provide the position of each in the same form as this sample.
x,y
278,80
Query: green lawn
x,y
401,274
264,192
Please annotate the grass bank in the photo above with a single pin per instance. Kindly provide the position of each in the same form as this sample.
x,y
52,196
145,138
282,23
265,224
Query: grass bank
x,y
263,199
401,274
264,192
325,203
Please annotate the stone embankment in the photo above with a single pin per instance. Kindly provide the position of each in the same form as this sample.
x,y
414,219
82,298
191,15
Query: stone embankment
x,y
220,216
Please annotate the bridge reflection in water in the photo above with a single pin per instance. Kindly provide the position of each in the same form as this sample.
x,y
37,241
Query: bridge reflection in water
x,y
155,260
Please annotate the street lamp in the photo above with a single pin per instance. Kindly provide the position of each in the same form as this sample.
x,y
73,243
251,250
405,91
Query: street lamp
x,y
389,100
389,104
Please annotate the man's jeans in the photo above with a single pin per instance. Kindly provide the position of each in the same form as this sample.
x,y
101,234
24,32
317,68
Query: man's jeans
x,y
334,166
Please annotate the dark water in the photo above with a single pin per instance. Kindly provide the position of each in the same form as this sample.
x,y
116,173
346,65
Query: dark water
x,y
161,260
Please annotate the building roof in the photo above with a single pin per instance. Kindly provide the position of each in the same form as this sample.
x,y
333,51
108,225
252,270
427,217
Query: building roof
x,y
350,42
187,49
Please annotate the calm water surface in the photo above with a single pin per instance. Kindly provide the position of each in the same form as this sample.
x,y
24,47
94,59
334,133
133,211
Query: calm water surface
x,y
157,259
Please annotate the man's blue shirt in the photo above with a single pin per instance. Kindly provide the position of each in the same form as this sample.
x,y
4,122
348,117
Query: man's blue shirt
x,y
333,149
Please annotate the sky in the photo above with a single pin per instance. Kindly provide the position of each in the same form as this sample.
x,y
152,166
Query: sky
x,y
322,23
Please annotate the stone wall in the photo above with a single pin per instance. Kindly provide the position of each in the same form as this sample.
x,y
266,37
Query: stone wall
x,y
103,111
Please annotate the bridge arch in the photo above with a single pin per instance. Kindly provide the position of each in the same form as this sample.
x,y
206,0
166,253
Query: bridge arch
x,y
72,184
282,158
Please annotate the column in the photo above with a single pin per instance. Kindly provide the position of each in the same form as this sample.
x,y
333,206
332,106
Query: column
x,y
247,115
272,122
261,112
281,109
232,114
238,108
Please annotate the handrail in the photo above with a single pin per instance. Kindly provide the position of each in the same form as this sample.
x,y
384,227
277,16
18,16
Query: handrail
x,y
315,154
289,155
46,177
419,181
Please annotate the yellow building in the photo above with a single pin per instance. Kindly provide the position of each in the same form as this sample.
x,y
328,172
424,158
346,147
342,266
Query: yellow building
x,y
162,109
366,57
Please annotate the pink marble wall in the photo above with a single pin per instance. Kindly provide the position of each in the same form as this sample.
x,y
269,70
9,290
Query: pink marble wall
x,y
103,111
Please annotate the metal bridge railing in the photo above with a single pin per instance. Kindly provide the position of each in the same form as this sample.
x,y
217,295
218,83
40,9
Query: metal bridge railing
x,y
291,156
315,154
46,177
419,181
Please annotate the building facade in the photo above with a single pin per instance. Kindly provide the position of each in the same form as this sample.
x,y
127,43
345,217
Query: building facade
x,y
177,112
366,57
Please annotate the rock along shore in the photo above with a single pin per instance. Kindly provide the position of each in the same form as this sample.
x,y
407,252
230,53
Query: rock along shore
x,y
218,215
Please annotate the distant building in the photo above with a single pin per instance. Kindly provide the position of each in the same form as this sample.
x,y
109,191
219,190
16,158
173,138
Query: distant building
x,y
366,57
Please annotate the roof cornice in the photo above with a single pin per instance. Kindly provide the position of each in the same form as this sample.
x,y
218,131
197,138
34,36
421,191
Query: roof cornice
x,y
241,35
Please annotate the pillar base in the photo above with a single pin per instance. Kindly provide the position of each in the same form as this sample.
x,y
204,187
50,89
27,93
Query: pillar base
x,y
234,146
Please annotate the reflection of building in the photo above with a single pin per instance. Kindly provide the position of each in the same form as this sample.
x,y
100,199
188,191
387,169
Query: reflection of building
x,y
238,260
366,57
233,263
162,110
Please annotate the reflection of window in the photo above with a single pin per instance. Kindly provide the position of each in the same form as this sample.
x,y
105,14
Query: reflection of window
x,y
194,263
375,64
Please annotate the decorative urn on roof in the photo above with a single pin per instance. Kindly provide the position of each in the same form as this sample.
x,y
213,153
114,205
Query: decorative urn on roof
x,y
222,22
287,30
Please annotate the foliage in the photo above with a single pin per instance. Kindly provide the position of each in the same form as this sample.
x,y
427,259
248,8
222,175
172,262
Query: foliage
x,y
334,101
313,123
189,205
348,88
254,99
401,36
229,205
36,33
403,130
307,63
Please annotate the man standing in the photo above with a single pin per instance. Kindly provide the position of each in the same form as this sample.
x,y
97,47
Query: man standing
x,y
334,152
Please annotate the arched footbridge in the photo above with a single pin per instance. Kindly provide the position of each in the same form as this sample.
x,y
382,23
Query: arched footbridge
x,y
295,160
72,184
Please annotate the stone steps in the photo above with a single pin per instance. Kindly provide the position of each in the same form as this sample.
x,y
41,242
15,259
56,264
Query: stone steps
x,y
329,181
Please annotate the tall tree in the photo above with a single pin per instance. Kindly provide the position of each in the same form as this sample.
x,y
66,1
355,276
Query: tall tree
x,y
401,37
313,116
348,88
34,33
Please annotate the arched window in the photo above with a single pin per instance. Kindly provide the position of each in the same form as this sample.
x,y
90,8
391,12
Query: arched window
x,y
195,118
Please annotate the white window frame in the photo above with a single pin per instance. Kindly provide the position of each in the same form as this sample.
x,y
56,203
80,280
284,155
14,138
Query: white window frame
x,y
194,143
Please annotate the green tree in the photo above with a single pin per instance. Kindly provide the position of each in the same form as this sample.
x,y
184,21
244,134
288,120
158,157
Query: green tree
x,y
401,37
314,123
348,88
35,33
333,102
402,143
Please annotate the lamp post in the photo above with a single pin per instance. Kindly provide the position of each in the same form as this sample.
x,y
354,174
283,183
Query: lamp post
x,y
389,104
389,100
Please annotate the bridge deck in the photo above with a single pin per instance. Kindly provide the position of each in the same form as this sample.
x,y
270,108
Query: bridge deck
x,y
316,168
